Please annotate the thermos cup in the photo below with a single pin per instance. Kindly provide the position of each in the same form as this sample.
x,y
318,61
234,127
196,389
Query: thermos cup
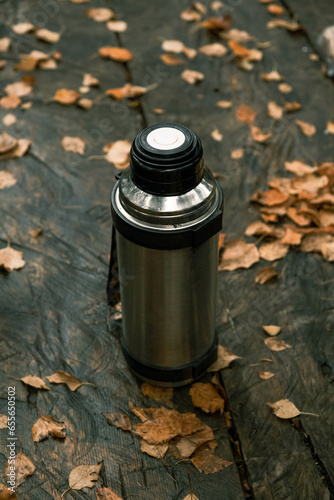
x,y
167,210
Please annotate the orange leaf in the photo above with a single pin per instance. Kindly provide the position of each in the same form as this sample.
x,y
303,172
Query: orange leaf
x,y
307,128
245,114
66,97
238,254
265,274
118,54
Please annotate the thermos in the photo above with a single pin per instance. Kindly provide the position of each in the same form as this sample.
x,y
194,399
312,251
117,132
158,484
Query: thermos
x,y
167,210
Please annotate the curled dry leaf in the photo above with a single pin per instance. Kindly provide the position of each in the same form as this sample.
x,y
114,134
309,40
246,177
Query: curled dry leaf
x,y
273,251
282,23
9,120
84,476
291,237
297,218
270,198
245,114
117,26
236,154
191,14
118,54
7,142
34,233
272,330
127,92
23,28
257,228
100,15
213,49
217,23
66,97
188,444
330,127
192,76
118,419
275,10
266,375
61,377
20,89
171,60
224,359
238,254
276,345
163,394
10,101
259,136
4,44
216,5
216,135
154,450
284,409
272,76
224,104
237,35
207,462
24,467
73,144
106,494
90,80
20,149
47,426
221,241
11,259
35,382
206,397
299,167
307,128
265,274
47,35
118,153
85,103
274,110
191,496
49,64
3,421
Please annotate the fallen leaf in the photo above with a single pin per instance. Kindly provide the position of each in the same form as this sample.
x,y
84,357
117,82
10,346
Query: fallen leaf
x,y
213,49
191,14
269,217
61,377
3,421
9,120
291,107
330,127
327,250
326,218
154,450
236,35
49,64
299,167
259,228
307,128
6,494
270,198
217,23
4,44
118,419
282,23
266,375
100,15
117,26
275,10
163,394
90,80
309,182
260,136
47,35
245,114
299,219
238,254
11,259
66,97
206,397
236,154
272,76
47,426
85,103
73,144
276,345
284,409
216,135
272,330
315,242
23,28
285,88
273,251
20,149
10,102
221,241
24,467
192,76
191,496
174,46
207,462
118,153
216,5
188,444
106,493
291,237
274,111
171,60
118,54
326,198
2,63
158,111
224,104
34,233
84,476
265,274
35,382
224,359
7,142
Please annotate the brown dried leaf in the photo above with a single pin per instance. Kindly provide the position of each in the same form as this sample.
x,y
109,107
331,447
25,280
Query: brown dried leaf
x,y
265,274
163,394
291,107
7,142
191,496
298,219
187,445
119,420
35,382
154,450
118,54
266,375
272,330
171,60
282,23
291,237
20,89
273,251
238,49
66,97
61,377
10,101
217,23
174,46
2,63
47,426
84,476
275,10
270,198
106,493
245,114
3,421
206,397
117,26
191,14
22,147
327,250
6,494
224,359
272,76
9,120
330,127
299,167
276,345
274,111
118,153
236,154
23,28
259,136
24,467
236,35
127,92
221,241
213,49
85,103
47,35
11,259
285,88
307,128
90,80
258,227
269,217
207,462
238,254
4,44
316,242
309,182
139,412
73,144
284,409
192,76
224,104
49,64
100,15
215,5
34,233
216,135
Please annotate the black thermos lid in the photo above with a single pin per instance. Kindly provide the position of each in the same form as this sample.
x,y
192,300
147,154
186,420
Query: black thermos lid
x,y
166,159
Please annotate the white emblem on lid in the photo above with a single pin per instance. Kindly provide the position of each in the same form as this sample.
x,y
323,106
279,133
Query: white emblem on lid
x,y
166,138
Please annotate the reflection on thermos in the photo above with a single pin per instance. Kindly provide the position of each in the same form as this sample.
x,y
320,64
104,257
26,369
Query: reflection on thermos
x,y
167,213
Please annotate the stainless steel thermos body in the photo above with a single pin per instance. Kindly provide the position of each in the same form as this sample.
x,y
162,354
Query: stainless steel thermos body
x,y
167,213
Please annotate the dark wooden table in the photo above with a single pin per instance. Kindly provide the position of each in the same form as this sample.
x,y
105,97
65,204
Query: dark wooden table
x,y
54,313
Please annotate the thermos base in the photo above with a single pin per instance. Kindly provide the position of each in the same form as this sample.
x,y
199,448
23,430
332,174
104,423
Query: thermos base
x,y
172,377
